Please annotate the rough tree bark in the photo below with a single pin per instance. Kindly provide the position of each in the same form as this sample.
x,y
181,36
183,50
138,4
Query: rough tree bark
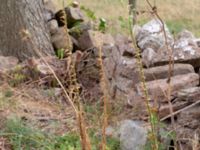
x,y
132,10
23,29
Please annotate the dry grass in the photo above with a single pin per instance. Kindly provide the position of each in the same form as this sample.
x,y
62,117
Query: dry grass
x,y
178,14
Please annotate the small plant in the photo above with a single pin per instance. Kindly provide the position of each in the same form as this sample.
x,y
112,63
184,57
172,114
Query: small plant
x,y
17,79
23,136
102,25
8,93
17,76
124,23
60,53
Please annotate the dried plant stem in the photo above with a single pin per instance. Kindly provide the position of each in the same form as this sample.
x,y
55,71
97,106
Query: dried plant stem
x,y
104,88
75,95
85,140
78,110
170,70
170,52
144,88
181,110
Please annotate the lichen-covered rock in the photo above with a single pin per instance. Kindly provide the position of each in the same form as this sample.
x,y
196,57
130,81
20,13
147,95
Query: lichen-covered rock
x,y
185,50
151,36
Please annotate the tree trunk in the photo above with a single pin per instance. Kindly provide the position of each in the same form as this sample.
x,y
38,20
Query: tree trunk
x,y
132,10
23,29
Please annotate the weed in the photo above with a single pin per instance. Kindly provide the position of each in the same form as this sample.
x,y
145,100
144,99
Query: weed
x,y
23,136
123,22
60,53
6,99
17,76
102,25
8,93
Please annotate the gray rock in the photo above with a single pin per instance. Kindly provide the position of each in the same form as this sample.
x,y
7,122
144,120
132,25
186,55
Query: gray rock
x,y
127,68
74,15
151,36
197,42
94,39
158,88
61,39
164,109
42,69
185,50
79,29
75,43
190,94
187,126
109,67
136,30
186,35
150,42
125,45
7,63
190,117
123,84
132,135
184,97
53,26
161,72
75,4
148,56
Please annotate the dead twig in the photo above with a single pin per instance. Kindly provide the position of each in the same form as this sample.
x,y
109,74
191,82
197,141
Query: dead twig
x,y
179,111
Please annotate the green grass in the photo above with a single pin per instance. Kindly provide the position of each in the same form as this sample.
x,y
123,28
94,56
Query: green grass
x,y
178,14
22,136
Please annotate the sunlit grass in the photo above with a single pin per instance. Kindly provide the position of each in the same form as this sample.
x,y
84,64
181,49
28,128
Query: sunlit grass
x,y
178,14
